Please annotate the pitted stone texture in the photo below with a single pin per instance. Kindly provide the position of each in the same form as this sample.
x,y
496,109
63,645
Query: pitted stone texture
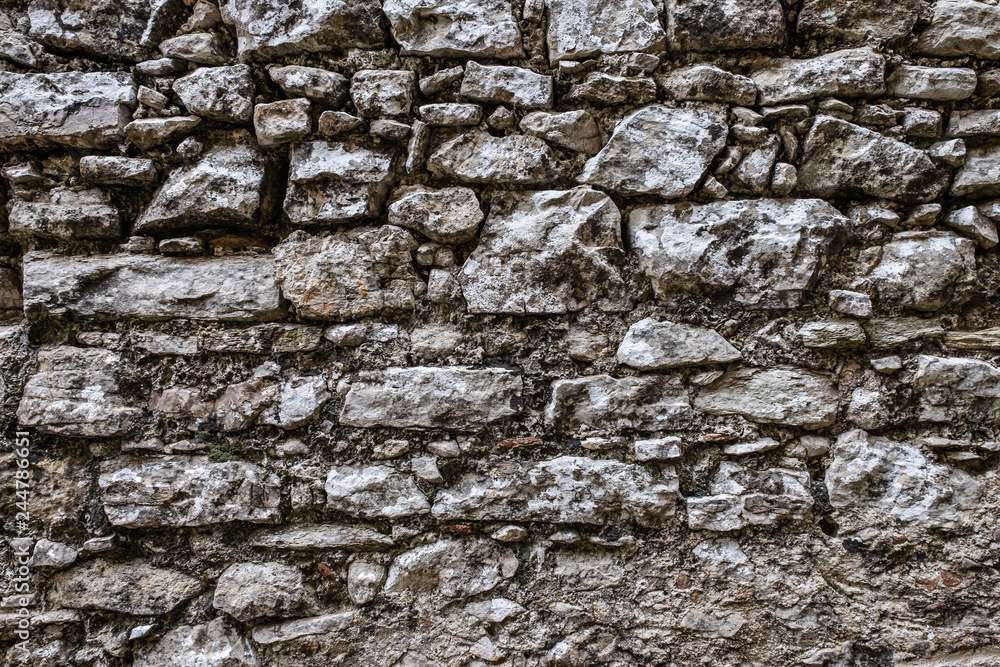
x,y
452,398
75,393
589,28
722,25
369,491
859,22
568,489
268,29
348,275
147,133
788,396
336,181
502,84
383,92
213,644
319,85
251,591
126,588
110,287
741,497
479,157
547,252
957,390
848,73
218,93
78,109
443,28
575,130
282,122
601,404
659,150
932,83
723,248
111,170
188,491
651,345
115,29
454,568
961,28
980,175
924,270
979,122
848,160
299,400
66,214
449,215
709,84
872,478
227,187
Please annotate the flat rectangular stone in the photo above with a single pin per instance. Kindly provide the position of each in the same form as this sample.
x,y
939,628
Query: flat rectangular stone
x,y
601,404
848,73
985,122
151,287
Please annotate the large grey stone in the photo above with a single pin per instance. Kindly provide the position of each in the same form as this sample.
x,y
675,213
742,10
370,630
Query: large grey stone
x,y
110,287
304,627
980,175
956,389
268,29
502,84
659,150
454,568
363,271
708,84
479,157
213,644
962,28
112,170
133,588
455,398
924,270
722,25
932,83
147,133
443,28
764,253
788,396
589,28
848,160
859,22
251,591
979,122
547,252
218,93
188,491
75,393
66,214
229,186
601,404
78,109
651,345
575,130
568,489
113,29
369,491
848,73
741,496
319,85
336,181
449,215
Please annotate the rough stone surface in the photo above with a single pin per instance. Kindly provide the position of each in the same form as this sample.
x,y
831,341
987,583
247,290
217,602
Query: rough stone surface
x,y
374,491
249,591
478,157
218,93
603,404
116,30
651,345
848,73
704,25
333,181
581,29
454,568
962,27
449,215
438,28
923,270
213,644
501,84
65,214
127,588
778,396
859,22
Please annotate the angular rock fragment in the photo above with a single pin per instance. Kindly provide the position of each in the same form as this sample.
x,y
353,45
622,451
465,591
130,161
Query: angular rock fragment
x,y
659,150
146,133
383,92
742,496
581,29
972,223
887,332
962,28
335,181
364,581
282,122
981,122
218,93
924,270
308,536
116,30
848,73
766,253
858,22
455,398
228,186
788,396
110,170
980,175
602,404
268,29
319,85
500,84
188,491
479,157
848,160
484,29
361,272
75,393
109,287
723,25
213,644
708,84
547,252
78,109
651,345
954,389
126,588
932,83
203,48
449,215
455,568
369,491
872,478
251,591
840,333
575,130
66,214
601,89
449,115
312,626
300,400
262,339
753,174
568,489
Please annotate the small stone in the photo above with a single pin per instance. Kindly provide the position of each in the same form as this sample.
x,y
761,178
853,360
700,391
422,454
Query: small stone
x,y
962,28
879,20
787,396
319,85
658,449
307,628
451,114
502,119
601,404
709,84
99,544
478,157
390,449
922,122
416,150
311,536
378,93
832,334
440,80
888,332
501,84
951,153
509,534
971,222
218,93
575,130
214,644
581,29
333,123
449,215
754,172
148,133
855,304
651,345
931,83
923,215
52,554
756,447
455,568
186,245
364,581
251,591
983,122
426,469
602,89
152,98
444,448
887,364
109,170
282,122
814,445
980,175
66,214
391,130
785,179
203,48
161,67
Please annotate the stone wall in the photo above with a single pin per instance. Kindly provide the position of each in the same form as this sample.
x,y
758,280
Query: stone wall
x,y
496,333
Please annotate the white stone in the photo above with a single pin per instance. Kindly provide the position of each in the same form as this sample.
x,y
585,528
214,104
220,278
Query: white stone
x,y
602,404
368,491
847,73
582,29
787,396
651,345
484,29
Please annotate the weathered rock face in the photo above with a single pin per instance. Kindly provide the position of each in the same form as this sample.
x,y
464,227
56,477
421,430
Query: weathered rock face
x,y
923,270
778,396
437,28
450,398
954,388
218,93
248,591
66,215
127,588
500,84
478,157
709,84
766,253
117,30
742,497
978,176
703,25
449,215
658,150
851,73
962,27
578,30
374,491
567,489
213,644
546,252
454,568
651,345
858,22
188,491
847,160
603,404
